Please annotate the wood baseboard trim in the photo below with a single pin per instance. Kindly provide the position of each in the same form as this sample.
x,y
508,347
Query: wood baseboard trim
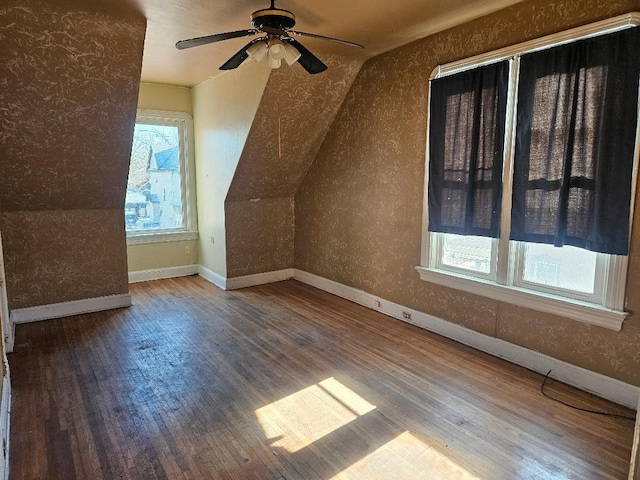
x,y
212,277
5,423
259,279
160,273
66,309
592,382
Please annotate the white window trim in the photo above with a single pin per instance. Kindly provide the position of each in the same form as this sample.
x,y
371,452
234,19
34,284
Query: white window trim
x,y
565,307
160,236
189,230
591,30
600,285
435,260
610,314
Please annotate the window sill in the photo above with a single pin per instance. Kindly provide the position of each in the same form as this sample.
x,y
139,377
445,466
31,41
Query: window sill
x,y
159,237
581,311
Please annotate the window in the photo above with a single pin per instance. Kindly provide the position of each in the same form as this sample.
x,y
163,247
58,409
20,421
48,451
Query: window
x,y
160,197
531,166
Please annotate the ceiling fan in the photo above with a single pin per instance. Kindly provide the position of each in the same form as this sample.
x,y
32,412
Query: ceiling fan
x,y
276,45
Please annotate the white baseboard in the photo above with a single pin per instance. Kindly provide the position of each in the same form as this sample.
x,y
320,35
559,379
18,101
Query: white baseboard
x,y
212,277
259,279
245,281
160,273
5,421
634,470
601,385
9,337
66,309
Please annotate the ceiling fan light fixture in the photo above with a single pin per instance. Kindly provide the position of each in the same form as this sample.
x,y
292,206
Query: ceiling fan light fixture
x,y
291,54
274,62
257,51
277,49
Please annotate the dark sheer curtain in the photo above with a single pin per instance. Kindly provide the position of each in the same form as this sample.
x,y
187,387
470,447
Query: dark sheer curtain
x,y
575,141
466,145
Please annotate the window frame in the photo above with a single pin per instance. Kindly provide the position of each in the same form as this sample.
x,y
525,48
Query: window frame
x,y
600,284
437,253
189,229
608,310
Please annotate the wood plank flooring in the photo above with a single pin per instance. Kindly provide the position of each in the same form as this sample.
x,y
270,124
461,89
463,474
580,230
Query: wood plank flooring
x,y
284,381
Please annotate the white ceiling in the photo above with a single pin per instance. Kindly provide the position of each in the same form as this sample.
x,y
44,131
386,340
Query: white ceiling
x,y
379,25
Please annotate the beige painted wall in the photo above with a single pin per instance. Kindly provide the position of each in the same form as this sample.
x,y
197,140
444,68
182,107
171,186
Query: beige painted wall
x,y
151,256
359,210
155,96
67,124
223,110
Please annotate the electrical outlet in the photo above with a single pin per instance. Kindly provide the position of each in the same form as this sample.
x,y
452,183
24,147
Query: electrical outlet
x,y
406,315
187,250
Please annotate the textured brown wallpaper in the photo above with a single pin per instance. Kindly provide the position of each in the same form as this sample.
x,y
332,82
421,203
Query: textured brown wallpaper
x,y
68,95
259,235
359,209
292,119
63,254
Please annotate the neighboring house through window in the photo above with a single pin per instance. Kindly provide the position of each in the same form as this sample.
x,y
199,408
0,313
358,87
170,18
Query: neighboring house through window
x,y
531,166
160,197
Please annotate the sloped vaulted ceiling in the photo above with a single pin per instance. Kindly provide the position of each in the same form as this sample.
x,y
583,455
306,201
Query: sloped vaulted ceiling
x,y
291,122
68,89
294,115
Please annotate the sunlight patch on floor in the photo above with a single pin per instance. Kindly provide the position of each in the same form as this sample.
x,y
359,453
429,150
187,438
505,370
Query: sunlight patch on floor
x,y
304,417
405,458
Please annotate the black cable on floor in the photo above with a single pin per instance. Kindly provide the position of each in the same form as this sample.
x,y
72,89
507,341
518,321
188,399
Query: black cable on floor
x,y
578,408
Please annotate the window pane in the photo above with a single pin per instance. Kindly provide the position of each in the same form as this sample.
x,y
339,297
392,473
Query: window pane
x,y
154,196
467,252
570,268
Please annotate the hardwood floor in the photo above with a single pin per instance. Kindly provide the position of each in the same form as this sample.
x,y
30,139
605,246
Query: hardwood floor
x,y
284,381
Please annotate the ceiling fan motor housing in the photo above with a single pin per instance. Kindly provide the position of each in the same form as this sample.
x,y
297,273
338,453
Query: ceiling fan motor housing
x,y
273,18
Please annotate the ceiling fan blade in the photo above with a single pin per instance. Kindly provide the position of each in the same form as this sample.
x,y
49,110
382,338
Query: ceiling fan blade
x,y
238,58
322,37
195,42
308,60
